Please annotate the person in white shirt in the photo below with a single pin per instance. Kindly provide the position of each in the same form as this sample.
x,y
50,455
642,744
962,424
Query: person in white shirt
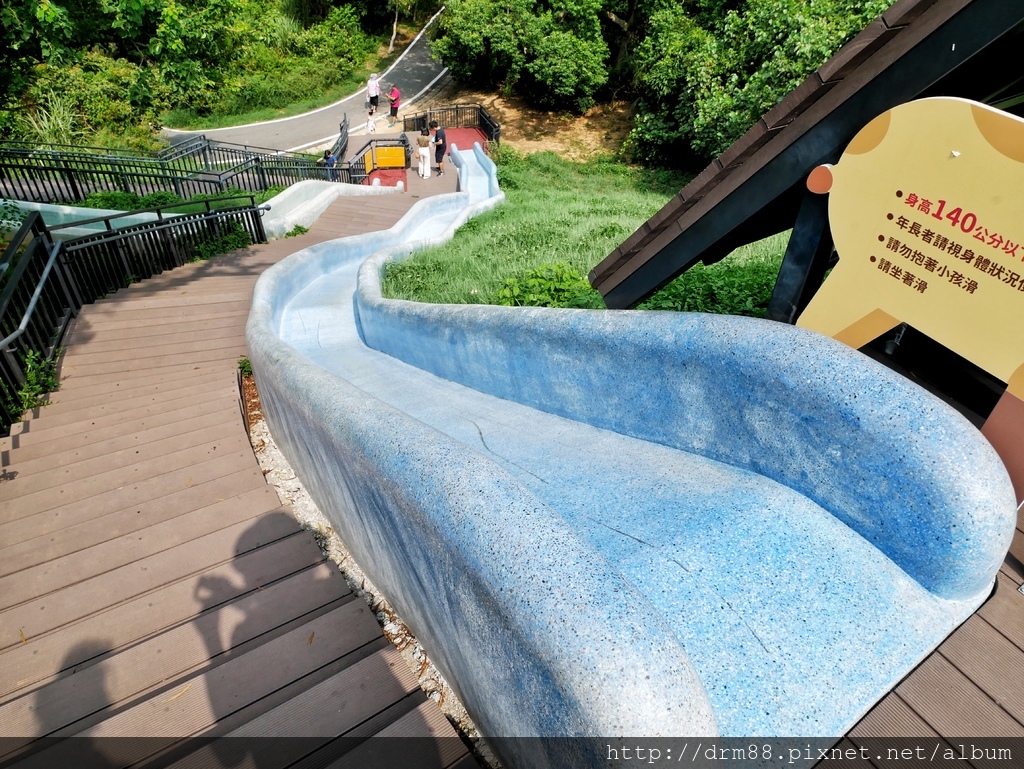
x,y
371,122
373,92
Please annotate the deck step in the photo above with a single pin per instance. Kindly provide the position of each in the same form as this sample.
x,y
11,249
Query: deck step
x,y
54,655
20,624
60,573
150,582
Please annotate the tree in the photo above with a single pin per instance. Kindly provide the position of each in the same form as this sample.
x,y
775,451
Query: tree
x,y
398,5
702,81
551,51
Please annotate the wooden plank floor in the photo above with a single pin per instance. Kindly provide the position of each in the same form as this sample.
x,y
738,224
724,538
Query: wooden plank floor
x,y
151,583
973,684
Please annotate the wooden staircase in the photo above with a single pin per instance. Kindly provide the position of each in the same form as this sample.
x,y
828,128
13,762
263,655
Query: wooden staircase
x,y
151,583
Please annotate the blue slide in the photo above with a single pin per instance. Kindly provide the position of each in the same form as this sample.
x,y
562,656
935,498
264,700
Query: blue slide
x,y
606,523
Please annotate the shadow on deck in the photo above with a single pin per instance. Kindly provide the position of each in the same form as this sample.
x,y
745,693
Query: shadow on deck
x,y
152,585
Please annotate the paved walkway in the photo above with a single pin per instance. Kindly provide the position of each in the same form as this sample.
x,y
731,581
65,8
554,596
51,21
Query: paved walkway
x,y
152,584
414,72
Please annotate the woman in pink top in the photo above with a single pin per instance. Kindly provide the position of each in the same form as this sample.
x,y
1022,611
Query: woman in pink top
x,y
394,97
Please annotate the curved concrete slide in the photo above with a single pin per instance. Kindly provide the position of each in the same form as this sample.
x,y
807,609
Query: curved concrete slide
x,y
414,71
625,523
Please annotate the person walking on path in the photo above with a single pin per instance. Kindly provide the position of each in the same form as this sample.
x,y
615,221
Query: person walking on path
x,y
371,122
373,92
423,142
395,97
440,143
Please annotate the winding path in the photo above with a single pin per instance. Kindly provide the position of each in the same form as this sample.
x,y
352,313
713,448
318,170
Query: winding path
x,y
415,72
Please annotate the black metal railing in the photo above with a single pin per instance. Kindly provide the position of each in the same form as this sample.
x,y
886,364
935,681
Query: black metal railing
x,y
69,174
44,281
37,301
457,116
340,147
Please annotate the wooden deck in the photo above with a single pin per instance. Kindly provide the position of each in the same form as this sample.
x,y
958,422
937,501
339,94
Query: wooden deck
x,y
972,685
152,584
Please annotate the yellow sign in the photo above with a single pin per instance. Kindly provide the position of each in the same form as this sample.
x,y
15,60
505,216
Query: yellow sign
x,y
926,212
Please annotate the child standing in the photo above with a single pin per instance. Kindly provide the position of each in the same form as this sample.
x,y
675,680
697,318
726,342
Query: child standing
x,y
371,122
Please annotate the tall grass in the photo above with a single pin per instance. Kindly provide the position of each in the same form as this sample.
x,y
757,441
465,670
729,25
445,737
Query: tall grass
x,y
54,121
740,284
559,220
555,211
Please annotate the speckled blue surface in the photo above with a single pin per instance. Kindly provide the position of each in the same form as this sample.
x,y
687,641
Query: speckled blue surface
x,y
606,523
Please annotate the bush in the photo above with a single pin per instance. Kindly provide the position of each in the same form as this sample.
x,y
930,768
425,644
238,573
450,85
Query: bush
x,y
40,380
705,78
555,58
550,285
231,239
93,93
113,200
159,199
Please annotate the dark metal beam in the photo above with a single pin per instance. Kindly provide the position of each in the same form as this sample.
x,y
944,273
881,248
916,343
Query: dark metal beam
x,y
807,256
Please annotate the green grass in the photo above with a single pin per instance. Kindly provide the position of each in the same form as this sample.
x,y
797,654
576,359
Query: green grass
x,y
559,220
740,284
555,211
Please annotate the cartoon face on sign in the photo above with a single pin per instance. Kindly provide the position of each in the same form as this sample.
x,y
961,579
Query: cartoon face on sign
x,y
925,210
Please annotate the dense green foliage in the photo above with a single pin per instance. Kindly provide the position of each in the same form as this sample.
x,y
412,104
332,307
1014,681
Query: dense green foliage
x,y
703,80
553,52
106,71
702,71
575,213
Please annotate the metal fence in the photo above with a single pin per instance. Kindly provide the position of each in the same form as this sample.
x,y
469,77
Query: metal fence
x,y
69,174
44,281
36,304
457,116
